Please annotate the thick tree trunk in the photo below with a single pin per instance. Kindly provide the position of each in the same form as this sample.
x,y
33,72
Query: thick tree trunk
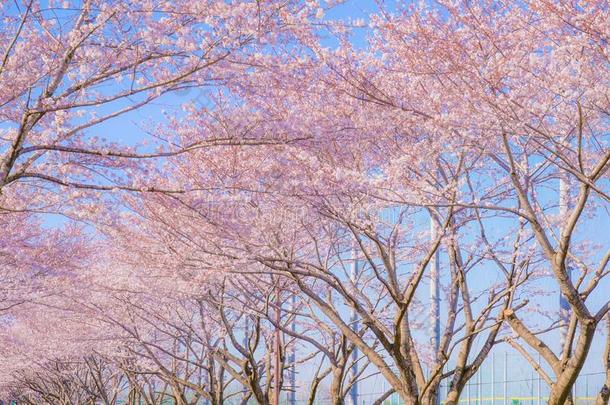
x,y
453,397
603,396
432,395
408,399
560,392
336,393
569,400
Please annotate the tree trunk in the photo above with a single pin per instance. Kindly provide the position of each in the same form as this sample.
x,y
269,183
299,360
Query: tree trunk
x,y
453,397
560,392
336,393
431,396
408,399
604,393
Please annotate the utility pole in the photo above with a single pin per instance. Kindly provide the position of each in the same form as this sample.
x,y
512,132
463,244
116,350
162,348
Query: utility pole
x,y
540,364
246,344
278,347
353,392
493,378
435,315
505,377
292,395
564,208
479,387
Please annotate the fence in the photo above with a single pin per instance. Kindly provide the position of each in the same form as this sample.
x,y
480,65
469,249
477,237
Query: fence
x,y
507,379
503,379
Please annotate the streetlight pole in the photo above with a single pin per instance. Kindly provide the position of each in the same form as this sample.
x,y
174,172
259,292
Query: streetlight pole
x,y
292,396
435,321
564,207
353,392
277,347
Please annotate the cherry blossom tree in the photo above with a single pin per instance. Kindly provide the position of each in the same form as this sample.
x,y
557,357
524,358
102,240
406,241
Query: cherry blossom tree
x,y
406,106
96,61
231,241
520,85
68,70
303,230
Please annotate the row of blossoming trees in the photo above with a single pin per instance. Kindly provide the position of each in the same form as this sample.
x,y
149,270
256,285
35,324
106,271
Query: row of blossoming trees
x,y
293,222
